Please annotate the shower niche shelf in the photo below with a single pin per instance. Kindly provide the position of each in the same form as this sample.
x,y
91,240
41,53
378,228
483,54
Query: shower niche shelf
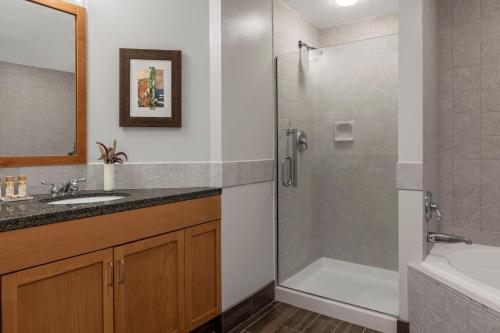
x,y
344,131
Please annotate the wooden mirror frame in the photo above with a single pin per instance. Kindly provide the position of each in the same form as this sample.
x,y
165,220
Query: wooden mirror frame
x,y
81,93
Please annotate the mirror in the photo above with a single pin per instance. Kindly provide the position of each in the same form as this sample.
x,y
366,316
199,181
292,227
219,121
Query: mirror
x,y
42,83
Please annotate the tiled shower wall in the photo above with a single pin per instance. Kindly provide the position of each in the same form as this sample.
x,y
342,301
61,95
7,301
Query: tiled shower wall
x,y
354,183
372,27
469,118
47,129
430,109
345,206
290,27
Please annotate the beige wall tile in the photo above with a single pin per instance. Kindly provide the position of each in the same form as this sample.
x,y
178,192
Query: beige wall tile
x,y
467,54
467,78
466,171
467,101
466,10
467,125
490,123
490,148
466,33
466,195
490,100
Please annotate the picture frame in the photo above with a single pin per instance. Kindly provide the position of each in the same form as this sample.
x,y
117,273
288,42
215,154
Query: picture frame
x,y
150,88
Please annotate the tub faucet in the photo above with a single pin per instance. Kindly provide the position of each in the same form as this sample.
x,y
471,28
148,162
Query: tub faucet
x,y
434,237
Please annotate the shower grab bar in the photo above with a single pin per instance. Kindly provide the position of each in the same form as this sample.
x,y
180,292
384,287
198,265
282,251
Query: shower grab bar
x,y
293,133
288,181
299,143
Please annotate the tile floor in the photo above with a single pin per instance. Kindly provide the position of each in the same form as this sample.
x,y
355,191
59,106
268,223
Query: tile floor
x,y
284,318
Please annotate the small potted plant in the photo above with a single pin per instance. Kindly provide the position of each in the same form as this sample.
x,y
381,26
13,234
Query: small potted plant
x,y
110,157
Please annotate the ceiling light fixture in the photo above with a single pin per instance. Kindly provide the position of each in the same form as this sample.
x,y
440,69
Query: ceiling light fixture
x,y
346,3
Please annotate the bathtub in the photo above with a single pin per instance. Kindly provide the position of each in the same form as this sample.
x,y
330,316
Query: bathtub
x,y
473,270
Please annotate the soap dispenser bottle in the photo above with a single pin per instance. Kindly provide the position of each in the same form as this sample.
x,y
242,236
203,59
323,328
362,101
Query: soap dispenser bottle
x,y
21,186
9,186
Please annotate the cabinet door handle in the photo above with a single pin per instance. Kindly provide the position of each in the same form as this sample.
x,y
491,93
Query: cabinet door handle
x,y
110,274
122,271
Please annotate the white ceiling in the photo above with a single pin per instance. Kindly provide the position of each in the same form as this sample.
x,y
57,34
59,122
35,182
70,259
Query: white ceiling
x,y
34,35
325,13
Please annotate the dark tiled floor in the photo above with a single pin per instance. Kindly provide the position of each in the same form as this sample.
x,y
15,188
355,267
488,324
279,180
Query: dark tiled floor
x,y
284,318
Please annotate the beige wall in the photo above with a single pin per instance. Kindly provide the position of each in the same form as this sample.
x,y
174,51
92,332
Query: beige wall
x,y
107,34
247,125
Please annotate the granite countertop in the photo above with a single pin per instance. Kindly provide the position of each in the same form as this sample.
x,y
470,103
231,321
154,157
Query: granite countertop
x,y
27,214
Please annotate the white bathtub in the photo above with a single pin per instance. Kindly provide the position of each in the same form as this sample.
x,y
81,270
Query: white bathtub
x,y
473,270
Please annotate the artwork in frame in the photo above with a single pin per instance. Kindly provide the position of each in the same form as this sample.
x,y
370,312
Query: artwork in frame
x,y
150,88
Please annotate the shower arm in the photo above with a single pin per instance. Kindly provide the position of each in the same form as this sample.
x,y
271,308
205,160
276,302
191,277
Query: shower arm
x,y
301,44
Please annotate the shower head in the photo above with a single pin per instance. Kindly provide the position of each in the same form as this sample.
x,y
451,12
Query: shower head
x,y
308,48
317,52
314,53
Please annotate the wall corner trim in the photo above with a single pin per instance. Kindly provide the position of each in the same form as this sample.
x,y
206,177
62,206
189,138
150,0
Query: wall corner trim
x,y
410,176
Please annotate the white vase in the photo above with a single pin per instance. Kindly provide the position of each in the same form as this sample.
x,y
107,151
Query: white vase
x,y
109,177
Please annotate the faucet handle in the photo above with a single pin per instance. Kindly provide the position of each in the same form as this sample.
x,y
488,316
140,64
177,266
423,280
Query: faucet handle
x,y
436,209
431,208
74,184
54,189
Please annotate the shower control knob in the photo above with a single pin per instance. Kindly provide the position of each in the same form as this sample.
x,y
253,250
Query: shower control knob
x,y
431,208
301,141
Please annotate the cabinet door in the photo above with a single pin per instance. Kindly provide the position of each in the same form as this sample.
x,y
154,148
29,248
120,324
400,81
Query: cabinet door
x,y
73,295
149,285
203,286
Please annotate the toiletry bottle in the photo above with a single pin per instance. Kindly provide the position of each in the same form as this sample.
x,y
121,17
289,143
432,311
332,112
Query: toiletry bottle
x,y
21,186
9,186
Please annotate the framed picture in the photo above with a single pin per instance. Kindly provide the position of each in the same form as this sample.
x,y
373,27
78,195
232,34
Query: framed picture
x,y
150,88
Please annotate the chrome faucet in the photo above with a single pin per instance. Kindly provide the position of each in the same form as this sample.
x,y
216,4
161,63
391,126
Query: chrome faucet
x,y
70,187
434,237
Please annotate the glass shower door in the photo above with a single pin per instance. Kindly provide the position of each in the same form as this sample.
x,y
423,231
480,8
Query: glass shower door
x,y
337,199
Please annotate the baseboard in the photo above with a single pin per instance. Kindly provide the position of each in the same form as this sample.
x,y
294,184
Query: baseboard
x,y
213,326
403,326
246,308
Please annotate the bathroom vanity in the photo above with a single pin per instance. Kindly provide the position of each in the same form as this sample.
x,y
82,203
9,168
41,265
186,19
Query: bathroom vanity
x,y
149,262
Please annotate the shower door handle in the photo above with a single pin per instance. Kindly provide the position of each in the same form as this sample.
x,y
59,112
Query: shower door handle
x,y
286,181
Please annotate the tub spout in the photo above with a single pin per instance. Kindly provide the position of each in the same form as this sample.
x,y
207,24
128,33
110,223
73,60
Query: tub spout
x,y
433,237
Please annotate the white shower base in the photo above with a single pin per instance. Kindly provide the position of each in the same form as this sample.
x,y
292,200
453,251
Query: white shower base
x,y
364,286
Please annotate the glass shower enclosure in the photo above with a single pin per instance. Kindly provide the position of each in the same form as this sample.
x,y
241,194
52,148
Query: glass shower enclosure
x,y
336,135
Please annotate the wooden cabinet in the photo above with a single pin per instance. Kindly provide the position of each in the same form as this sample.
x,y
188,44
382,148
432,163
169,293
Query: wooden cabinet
x,y
203,281
144,271
149,289
73,295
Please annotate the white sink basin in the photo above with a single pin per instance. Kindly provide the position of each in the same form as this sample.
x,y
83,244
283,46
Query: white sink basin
x,y
85,200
